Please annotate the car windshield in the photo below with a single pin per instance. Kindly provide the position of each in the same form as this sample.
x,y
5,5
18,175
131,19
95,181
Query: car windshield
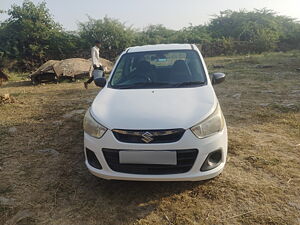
x,y
159,69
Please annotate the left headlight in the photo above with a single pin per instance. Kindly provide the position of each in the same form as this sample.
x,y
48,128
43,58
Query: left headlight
x,y
91,127
211,125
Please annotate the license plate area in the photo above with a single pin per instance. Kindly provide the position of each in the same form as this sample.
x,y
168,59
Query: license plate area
x,y
148,157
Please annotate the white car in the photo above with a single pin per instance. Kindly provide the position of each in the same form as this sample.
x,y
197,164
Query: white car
x,y
157,118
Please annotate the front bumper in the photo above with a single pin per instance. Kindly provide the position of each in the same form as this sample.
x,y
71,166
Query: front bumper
x,y
188,141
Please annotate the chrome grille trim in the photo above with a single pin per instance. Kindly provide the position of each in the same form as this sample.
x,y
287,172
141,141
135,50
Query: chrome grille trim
x,y
154,133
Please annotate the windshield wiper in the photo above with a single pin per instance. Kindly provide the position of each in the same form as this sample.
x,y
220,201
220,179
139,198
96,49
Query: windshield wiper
x,y
129,86
158,85
189,83
141,85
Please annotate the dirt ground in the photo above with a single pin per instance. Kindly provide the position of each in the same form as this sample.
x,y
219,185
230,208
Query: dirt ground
x,y
43,179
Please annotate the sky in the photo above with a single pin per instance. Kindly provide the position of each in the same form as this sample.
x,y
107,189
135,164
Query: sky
x,y
173,14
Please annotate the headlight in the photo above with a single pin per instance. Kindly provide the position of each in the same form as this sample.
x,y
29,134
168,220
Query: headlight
x,y
211,125
91,127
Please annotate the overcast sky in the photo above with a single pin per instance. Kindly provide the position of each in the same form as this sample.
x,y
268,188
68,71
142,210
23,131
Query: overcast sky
x,y
140,13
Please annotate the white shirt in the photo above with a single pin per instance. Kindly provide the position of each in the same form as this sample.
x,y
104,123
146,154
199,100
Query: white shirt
x,y
95,56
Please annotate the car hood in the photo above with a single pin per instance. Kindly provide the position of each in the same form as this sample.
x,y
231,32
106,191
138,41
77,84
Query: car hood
x,y
141,109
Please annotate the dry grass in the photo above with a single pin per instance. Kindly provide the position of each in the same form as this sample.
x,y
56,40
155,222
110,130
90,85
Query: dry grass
x,y
260,184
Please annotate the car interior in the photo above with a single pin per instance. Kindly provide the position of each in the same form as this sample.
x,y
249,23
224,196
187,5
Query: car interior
x,y
176,73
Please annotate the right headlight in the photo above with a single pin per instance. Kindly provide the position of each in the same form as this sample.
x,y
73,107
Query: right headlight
x,y
91,127
211,125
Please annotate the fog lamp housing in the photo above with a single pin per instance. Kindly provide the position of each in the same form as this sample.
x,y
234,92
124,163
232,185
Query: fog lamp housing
x,y
213,160
92,159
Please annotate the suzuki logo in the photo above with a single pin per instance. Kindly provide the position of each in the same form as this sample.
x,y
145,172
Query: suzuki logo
x,y
147,137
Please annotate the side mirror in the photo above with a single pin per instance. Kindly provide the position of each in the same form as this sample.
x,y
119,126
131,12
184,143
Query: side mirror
x,y
217,78
100,82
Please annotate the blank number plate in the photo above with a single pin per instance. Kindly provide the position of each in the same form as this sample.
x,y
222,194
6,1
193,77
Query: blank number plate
x,y
148,157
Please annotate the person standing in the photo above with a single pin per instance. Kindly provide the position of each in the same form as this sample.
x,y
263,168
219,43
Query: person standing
x,y
96,62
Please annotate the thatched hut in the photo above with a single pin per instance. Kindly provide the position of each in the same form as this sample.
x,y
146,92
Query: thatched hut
x,y
72,68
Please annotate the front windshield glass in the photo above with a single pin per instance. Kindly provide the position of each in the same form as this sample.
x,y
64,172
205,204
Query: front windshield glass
x,y
159,69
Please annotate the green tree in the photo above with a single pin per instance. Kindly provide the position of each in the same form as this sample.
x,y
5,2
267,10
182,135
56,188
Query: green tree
x,y
155,34
263,38
25,35
289,33
113,35
258,27
63,44
193,34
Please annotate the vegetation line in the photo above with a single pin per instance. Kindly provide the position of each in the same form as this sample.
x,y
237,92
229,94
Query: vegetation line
x,y
30,36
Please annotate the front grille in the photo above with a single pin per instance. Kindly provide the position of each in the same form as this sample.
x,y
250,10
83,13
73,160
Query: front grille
x,y
185,161
148,136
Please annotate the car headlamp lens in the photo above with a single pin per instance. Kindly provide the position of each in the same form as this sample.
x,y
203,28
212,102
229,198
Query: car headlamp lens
x,y
211,125
91,127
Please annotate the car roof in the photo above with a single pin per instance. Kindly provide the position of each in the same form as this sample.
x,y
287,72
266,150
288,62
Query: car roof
x,y
160,47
